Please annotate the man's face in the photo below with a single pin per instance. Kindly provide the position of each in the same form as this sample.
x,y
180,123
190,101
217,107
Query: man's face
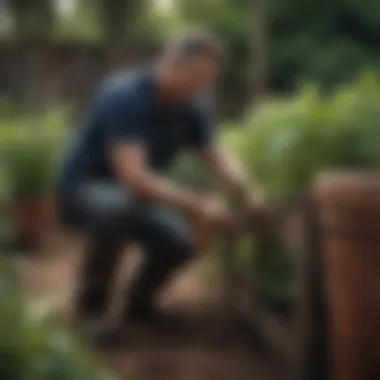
x,y
193,76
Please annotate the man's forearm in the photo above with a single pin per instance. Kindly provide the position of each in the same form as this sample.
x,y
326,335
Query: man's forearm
x,y
243,188
232,175
157,189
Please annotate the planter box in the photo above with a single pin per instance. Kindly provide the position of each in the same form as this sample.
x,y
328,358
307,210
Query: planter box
x,y
32,219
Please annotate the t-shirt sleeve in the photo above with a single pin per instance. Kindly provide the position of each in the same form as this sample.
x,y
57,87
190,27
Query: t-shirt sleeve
x,y
123,119
201,128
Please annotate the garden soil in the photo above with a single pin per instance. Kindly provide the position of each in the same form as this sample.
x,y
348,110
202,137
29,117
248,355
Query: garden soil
x,y
196,352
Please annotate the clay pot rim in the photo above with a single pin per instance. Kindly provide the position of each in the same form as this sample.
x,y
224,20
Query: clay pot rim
x,y
348,188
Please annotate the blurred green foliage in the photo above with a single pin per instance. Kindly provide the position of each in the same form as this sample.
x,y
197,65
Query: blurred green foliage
x,y
32,19
188,171
305,40
31,148
328,43
122,20
275,277
32,346
91,20
287,141
284,143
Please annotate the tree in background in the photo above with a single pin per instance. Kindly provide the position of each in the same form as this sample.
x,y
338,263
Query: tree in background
x,y
327,42
273,44
126,22
81,23
113,20
258,58
32,19
118,18
33,23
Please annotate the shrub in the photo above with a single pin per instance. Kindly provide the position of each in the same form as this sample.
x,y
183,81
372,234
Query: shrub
x,y
34,348
289,140
31,152
188,172
6,232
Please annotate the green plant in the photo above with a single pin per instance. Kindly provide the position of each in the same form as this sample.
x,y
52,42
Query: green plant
x,y
5,195
31,149
275,277
30,167
288,140
187,171
32,346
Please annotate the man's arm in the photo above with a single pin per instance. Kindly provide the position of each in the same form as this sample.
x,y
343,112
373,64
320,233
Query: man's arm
x,y
124,119
230,173
227,169
129,163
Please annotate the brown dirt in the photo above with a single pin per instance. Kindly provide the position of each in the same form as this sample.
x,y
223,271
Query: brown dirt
x,y
195,353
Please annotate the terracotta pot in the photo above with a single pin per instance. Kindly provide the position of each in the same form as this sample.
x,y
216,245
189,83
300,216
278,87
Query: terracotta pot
x,y
32,219
349,210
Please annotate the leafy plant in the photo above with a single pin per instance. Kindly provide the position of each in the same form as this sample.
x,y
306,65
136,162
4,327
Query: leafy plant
x,y
34,348
276,278
30,165
31,152
288,140
187,171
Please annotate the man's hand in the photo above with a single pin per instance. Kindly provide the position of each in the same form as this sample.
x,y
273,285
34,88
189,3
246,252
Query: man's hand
x,y
253,202
252,199
213,213
229,171
232,176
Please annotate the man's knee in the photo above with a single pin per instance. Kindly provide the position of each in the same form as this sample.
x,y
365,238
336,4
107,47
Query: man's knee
x,y
167,238
106,208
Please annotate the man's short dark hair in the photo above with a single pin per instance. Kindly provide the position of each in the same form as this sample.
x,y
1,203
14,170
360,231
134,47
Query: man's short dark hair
x,y
196,42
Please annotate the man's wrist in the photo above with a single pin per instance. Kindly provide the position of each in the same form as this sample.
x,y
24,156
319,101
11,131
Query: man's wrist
x,y
242,189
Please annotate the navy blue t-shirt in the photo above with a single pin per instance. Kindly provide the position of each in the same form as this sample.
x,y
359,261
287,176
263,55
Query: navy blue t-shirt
x,y
126,109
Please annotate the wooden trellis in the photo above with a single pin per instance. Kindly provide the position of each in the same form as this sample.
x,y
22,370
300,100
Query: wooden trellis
x,y
298,343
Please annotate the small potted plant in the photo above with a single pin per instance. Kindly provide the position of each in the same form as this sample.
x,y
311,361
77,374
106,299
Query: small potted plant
x,y
31,167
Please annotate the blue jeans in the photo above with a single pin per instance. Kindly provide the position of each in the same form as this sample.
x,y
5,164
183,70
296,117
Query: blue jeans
x,y
110,216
